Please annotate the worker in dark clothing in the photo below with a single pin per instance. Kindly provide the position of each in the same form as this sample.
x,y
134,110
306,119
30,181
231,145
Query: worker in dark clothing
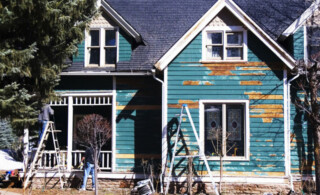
x,y
88,168
43,118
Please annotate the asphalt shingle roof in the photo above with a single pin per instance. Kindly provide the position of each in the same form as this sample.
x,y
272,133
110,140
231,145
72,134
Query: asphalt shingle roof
x,y
162,22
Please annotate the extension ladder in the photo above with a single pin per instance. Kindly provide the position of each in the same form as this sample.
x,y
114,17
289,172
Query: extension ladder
x,y
39,153
200,155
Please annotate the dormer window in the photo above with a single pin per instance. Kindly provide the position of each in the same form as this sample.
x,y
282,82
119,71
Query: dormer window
x,y
224,43
101,47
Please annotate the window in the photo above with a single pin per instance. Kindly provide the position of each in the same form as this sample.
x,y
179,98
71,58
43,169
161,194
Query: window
x,y
224,43
224,128
101,47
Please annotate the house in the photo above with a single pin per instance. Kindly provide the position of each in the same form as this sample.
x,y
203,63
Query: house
x,y
230,61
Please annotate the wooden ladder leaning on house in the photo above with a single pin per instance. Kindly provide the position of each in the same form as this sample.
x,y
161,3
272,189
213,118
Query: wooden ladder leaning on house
x,y
50,128
201,151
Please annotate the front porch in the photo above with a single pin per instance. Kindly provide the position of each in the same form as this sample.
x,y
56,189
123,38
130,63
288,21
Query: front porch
x,y
67,112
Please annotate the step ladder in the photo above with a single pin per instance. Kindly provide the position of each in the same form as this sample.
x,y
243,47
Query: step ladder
x,y
49,128
201,151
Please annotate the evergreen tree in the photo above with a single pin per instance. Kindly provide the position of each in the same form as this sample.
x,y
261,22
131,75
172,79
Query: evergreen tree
x,y
7,138
36,38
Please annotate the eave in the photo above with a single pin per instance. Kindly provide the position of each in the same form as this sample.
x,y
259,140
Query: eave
x,y
124,25
300,21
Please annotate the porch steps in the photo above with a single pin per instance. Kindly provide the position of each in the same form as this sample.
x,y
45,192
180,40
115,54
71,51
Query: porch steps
x,y
201,154
33,169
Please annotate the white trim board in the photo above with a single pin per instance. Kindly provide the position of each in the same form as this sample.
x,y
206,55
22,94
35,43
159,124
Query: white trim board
x,y
301,20
207,17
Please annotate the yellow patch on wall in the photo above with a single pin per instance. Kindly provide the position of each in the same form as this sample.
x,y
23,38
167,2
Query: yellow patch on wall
x,y
250,83
268,115
263,106
266,97
191,104
191,82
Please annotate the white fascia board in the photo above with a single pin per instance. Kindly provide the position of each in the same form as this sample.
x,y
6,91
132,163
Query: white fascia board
x,y
206,18
301,20
122,22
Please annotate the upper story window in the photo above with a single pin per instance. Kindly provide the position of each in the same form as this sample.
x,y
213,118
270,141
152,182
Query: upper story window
x,y
224,43
101,47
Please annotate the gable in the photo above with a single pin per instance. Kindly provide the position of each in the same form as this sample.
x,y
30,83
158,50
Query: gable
x,y
241,16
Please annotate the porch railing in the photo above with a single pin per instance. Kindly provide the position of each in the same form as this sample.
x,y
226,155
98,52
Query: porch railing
x,y
49,159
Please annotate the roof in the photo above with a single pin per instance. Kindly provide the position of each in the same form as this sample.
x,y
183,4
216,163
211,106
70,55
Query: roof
x,y
162,23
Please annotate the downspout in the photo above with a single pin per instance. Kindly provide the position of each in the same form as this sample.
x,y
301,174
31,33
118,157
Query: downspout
x,y
289,123
153,71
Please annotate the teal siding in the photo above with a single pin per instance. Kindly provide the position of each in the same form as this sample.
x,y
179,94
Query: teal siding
x,y
138,123
79,57
124,47
301,138
298,44
260,80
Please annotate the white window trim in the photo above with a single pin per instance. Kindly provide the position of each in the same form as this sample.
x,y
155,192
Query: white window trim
x,y
224,29
102,40
246,156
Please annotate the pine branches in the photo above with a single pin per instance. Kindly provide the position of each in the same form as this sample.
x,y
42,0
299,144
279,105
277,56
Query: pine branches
x,y
36,39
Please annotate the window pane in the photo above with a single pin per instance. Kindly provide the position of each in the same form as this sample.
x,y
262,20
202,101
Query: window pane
x,y
213,130
94,37
215,52
235,130
111,55
94,56
216,38
234,53
110,38
234,38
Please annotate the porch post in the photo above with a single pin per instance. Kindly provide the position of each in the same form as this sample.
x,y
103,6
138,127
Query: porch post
x,y
70,132
25,148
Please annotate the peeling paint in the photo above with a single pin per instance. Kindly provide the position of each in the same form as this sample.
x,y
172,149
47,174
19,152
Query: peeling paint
x,y
267,106
197,83
267,115
252,74
266,110
250,83
265,97
191,104
191,82
254,68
